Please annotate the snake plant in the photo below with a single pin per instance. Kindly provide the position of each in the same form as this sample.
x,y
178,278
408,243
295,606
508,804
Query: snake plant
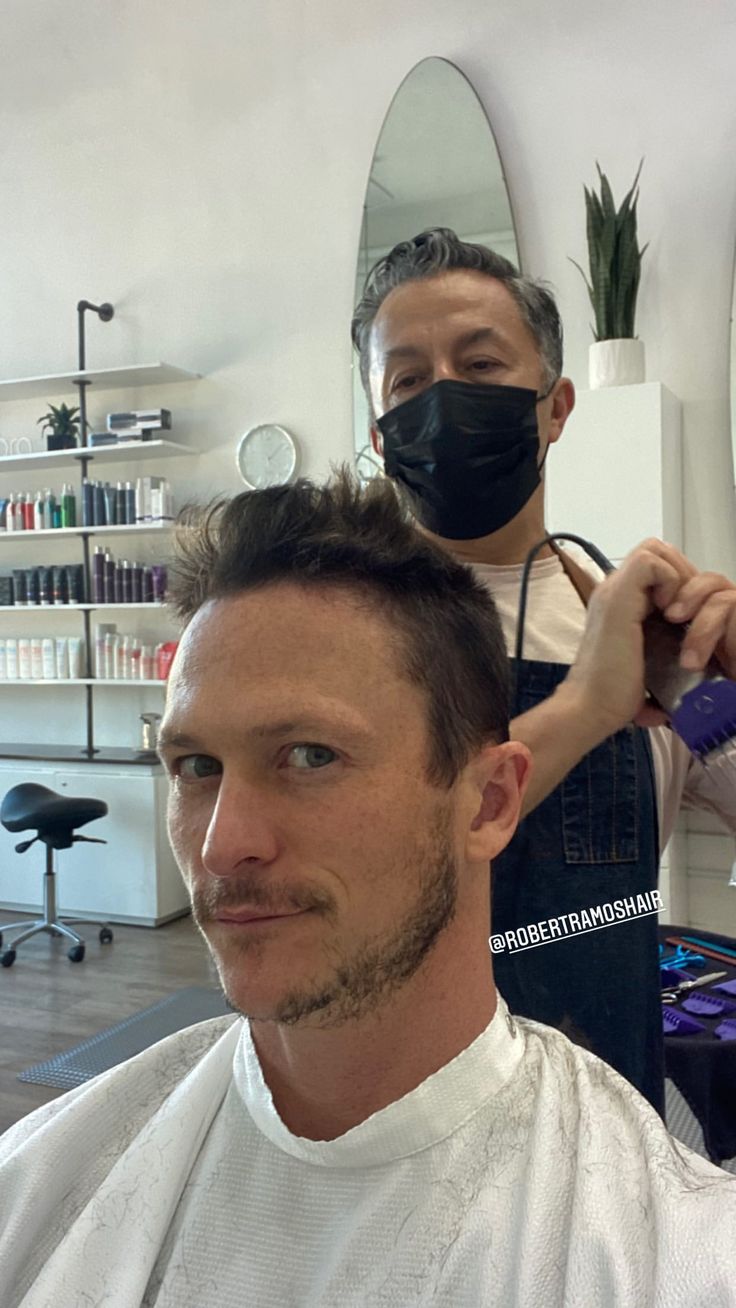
x,y
615,260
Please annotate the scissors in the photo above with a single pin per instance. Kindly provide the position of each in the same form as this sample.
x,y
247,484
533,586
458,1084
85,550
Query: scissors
x,y
671,995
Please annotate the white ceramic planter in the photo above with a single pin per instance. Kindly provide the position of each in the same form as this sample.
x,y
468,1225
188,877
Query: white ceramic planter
x,y
615,363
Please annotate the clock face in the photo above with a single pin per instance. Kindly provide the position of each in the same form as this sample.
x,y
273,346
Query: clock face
x,y
266,456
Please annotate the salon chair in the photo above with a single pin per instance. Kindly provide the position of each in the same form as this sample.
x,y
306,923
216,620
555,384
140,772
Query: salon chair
x,y
54,818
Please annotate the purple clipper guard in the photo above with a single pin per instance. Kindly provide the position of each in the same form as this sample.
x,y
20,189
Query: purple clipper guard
x,y
726,1030
673,976
728,987
705,718
708,1005
701,705
674,1023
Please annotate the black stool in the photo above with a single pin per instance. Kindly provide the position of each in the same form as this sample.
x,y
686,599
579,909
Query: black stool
x,y
54,818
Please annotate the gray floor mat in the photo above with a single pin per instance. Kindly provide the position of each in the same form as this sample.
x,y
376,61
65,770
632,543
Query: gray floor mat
x,y
134,1034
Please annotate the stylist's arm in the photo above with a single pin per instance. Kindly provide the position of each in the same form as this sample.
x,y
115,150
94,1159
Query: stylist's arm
x,y
604,689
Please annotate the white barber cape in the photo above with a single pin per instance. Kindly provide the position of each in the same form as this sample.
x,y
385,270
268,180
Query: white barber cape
x,y
524,1174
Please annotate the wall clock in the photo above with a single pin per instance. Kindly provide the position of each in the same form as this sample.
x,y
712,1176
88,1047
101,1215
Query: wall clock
x,y
266,456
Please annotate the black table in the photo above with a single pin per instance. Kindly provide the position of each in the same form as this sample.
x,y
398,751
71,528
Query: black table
x,y
702,1066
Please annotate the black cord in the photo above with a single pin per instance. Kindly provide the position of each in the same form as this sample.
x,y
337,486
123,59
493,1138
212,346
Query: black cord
x,y
591,550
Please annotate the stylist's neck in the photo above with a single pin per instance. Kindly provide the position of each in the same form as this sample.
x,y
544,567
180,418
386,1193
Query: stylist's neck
x,y
510,544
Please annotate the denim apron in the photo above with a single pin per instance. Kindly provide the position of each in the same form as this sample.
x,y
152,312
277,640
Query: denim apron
x,y
593,840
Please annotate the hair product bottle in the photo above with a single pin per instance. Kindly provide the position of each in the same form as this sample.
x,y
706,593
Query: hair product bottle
x,y
76,657
11,658
62,659
37,658
24,658
48,659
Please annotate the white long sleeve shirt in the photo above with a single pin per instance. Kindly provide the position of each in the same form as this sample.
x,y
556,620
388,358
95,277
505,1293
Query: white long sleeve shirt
x,y
553,628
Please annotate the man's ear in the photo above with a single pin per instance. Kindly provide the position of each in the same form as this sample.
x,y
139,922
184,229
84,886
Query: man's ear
x,y
563,403
377,440
498,778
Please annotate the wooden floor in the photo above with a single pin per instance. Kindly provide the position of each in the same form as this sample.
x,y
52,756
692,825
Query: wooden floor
x,y
48,1004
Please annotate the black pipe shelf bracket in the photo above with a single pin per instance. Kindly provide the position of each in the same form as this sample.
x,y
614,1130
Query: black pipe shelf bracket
x,y
105,312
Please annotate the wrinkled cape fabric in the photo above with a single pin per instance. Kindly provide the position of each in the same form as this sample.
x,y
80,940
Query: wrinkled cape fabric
x,y
113,1173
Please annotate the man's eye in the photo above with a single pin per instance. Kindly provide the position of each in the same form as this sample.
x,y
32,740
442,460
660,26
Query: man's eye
x,y
484,365
195,767
406,383
307,758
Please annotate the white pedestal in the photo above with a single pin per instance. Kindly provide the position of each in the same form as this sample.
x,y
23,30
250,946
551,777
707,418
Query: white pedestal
x,y
615,475
133,878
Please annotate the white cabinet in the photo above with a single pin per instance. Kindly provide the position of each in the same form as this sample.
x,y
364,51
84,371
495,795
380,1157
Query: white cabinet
x,y
615,476
133,878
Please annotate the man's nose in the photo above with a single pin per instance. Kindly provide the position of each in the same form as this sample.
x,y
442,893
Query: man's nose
x,y
241,830
445,370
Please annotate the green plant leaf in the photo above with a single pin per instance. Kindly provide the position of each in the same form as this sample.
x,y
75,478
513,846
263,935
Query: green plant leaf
x,y
626,202
61,419
613,257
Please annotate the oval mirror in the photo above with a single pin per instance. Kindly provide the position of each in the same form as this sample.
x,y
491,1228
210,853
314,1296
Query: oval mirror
x,y
436,164
732,381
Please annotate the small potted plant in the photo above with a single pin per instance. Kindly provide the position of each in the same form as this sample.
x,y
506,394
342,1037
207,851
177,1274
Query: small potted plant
x,y
617,357
60,426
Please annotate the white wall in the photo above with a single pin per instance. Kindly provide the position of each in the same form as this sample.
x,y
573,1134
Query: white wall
x,y
202,165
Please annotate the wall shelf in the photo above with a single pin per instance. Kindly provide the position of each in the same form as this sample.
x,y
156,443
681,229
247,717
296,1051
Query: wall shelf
x,y
55,385
125,451
58,383
60,532
78,754
81,681
79,608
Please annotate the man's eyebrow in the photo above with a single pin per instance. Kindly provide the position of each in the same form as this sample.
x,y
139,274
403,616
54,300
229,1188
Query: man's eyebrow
x,y
176,739
265,731
403,352
490,334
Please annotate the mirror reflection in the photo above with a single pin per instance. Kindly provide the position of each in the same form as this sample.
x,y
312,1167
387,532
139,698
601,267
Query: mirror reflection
x,y
733,382
436,164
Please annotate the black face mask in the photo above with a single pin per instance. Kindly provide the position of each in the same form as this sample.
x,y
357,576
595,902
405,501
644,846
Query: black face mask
x,y
466,453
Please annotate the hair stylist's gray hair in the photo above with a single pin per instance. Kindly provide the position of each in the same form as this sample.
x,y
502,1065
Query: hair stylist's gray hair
x,y
438,250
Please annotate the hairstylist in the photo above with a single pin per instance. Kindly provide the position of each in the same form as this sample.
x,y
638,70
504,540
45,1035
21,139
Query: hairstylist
x,y
461,358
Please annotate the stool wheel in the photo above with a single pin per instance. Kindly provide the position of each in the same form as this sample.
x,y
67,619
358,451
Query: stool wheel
x,y
76,953
105,936
8,958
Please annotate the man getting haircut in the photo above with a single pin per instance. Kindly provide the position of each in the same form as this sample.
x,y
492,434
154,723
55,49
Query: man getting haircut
x,y
371,1126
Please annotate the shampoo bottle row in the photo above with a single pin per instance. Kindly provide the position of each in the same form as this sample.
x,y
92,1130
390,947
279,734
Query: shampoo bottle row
x,y
148,502
124,582
26,512
126,658
41,658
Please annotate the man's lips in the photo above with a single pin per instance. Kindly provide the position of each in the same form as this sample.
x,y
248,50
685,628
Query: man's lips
x,y
255,915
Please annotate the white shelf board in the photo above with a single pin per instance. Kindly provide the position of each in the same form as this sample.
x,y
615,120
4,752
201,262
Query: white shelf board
x,y
60,532
76,608
81,681
125,452
57,383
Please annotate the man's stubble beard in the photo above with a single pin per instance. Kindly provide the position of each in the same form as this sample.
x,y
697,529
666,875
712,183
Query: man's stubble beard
x,y
361,981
